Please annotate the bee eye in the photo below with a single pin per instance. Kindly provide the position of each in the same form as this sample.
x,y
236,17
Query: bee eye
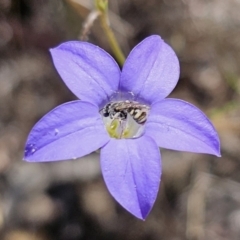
x,y
106,114
121,115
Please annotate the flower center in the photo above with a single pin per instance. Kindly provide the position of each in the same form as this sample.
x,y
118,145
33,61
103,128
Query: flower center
x,y
124,119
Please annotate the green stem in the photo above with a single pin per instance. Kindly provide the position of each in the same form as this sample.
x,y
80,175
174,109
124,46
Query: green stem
x,y
109,33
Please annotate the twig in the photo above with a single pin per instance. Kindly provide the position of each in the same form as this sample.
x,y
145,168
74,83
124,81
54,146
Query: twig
x,y
92,16
102,6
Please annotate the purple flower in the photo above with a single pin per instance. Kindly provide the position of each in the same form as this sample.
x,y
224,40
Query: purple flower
x,y
123,113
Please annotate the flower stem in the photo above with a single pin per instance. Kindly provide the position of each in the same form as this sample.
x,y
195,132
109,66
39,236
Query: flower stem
x,y
102,6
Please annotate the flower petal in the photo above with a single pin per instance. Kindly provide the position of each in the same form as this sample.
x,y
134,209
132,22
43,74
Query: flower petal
x,y
69,131
131,169
178,125
88,71
151,70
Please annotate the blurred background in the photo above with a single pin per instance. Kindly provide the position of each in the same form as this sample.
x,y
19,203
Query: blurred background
x,y
199,197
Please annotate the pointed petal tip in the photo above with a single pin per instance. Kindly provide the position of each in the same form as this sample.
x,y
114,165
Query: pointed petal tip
x,y
27,158
142,218
215,153
218,153
143,215
61,45
157,37
153,39
54,50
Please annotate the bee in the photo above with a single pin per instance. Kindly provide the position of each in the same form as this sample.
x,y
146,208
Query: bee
x,y
120,110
